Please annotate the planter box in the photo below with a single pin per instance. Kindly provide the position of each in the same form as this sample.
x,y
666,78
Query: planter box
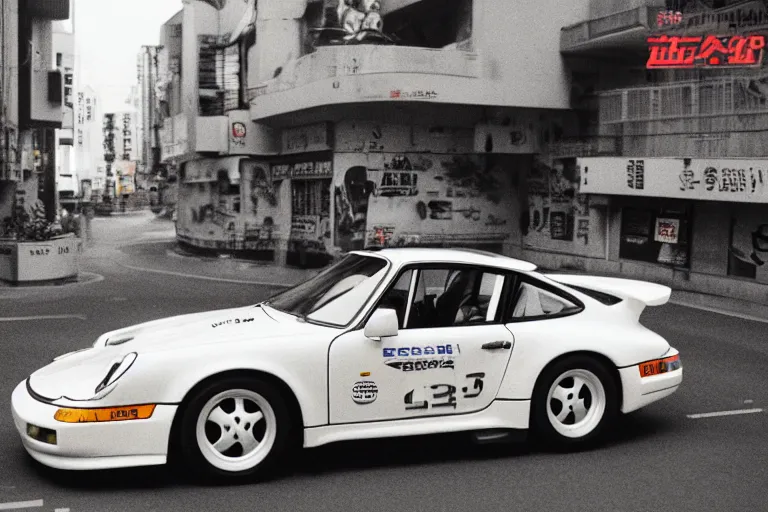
x,y
51,260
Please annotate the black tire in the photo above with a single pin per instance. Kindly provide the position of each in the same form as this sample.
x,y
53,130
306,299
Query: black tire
x,y
191,454
543,429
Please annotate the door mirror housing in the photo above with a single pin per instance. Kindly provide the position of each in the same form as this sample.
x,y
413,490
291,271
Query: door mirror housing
x,y
382,324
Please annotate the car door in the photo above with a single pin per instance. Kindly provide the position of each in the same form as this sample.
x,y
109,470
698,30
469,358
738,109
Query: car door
x,y
449,356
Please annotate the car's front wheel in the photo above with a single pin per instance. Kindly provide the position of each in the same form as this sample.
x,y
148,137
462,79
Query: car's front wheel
x,y
574,403
235,428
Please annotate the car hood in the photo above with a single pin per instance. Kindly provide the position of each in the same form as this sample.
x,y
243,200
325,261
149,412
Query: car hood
x,y
75,376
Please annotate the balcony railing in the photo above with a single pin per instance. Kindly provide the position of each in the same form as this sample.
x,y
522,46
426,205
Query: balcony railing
x,y
685,100
575,35
343,61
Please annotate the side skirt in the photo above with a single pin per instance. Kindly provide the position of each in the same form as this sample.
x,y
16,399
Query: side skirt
x,y
501,414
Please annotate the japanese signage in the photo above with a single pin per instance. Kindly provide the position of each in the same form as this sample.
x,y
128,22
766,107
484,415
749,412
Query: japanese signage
x,y
684,178
127,136
302,170
90,105
667,230
705,51
304,139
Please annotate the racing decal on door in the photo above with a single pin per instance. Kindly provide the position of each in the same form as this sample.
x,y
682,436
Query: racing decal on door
x,y
443,395
410,359
404,352
421,365
365,392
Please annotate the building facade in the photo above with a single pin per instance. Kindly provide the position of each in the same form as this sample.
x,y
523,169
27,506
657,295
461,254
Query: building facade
x,y
683,186
393,123
32,95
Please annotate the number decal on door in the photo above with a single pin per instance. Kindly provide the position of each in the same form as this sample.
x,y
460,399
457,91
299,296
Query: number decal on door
x,y
409,405
445,399
478,385
444,395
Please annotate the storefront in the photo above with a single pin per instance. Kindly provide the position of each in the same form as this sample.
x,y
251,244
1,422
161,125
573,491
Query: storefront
x,y
305,164
309,179
704,220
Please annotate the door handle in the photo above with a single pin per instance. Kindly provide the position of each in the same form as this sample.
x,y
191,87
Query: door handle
x,y
494,345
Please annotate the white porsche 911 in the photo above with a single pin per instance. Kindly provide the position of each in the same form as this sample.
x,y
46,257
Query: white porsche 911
x,y
395,342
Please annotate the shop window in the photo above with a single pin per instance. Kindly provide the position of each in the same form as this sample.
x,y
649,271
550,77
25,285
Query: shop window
x,y
655,236
311,197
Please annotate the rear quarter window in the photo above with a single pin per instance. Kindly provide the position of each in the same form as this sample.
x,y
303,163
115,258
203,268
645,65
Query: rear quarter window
x,y
605,298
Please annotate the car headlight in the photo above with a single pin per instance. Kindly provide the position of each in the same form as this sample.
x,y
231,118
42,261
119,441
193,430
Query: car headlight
x,y
116,371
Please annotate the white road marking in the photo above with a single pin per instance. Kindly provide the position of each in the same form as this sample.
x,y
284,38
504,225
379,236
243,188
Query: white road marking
x,y
61,510
748,401
16,505
719,311
40,317
723,413
206,278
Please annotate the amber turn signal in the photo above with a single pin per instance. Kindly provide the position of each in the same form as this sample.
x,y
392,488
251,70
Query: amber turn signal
x,y
132,412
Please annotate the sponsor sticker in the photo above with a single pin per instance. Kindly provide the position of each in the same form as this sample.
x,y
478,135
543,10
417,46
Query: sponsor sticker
x,y
403,352
365,392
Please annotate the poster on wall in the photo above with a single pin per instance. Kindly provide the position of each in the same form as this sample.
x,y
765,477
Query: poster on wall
x,y
748,252
400,199
558,217
667,230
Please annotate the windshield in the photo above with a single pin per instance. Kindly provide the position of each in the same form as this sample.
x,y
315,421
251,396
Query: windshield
x,y
335,295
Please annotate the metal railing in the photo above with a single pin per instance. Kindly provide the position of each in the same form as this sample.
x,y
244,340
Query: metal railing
x,y
614,23
694,99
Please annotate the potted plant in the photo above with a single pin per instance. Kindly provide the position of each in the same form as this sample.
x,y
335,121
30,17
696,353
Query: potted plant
x,y
32,249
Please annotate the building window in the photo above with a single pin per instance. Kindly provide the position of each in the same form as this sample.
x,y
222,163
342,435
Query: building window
x,y
218,76
655,236
311,197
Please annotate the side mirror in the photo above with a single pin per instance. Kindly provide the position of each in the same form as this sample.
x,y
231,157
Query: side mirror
x,y
382,324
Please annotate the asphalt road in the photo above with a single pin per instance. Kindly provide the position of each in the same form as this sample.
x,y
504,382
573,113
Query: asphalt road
x,y
659,458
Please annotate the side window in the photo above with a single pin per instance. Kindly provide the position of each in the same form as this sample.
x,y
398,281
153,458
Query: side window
x,y
397,297
446,297
531,301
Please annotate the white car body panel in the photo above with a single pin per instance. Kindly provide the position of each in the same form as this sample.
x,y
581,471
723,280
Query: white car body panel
x,y
322,365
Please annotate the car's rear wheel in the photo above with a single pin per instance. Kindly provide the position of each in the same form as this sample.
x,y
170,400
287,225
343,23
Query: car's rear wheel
x,y
575,401
235,429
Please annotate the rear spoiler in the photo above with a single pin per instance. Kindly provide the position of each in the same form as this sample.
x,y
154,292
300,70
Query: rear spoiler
x,y
647,294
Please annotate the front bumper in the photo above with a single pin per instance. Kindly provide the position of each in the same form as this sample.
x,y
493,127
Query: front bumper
x,y
82,446
641,391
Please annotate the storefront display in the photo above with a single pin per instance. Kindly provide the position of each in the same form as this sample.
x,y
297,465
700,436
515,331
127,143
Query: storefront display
x,y
310,235
655,235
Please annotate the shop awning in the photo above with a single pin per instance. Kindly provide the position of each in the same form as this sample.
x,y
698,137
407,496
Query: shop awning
x,y
206,170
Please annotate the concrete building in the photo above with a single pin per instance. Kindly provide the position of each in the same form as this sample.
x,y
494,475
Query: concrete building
x,y
684,188
68,185
32,93
418,133
420,122
207,135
